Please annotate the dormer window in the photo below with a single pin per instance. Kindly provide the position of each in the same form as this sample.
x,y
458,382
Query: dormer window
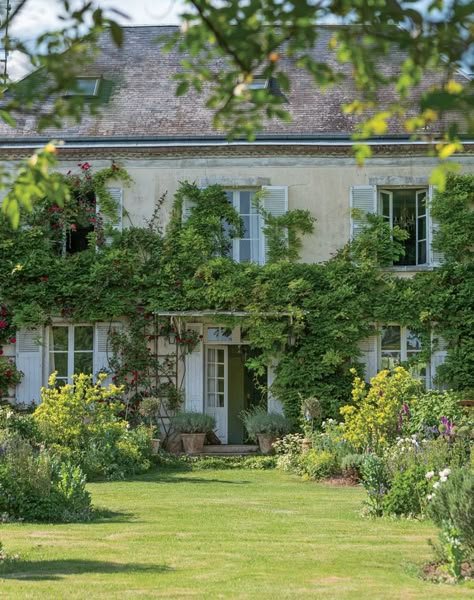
x,y
258,83
85,86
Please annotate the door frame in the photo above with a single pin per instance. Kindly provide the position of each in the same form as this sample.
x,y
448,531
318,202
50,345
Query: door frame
x,y
225,437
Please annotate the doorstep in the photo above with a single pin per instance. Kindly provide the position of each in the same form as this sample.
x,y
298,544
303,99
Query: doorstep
x,y
230,450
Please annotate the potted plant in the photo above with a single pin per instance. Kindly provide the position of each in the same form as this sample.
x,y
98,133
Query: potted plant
x,y
193,428
310,411
264,427
150,410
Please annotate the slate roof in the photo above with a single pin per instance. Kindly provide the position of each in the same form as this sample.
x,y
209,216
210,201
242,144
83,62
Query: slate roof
x,y
143,104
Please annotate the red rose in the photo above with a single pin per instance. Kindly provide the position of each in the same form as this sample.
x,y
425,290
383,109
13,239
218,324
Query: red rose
x,y
8,372
3,324
1,351
12,340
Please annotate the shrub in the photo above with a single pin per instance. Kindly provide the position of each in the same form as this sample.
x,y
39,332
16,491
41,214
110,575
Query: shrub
x,y
316,464
372,421
375,481
22,423
258,420
332,439
426,413
452,509
407,494
80,424
351,466
288,450
33,485
193,422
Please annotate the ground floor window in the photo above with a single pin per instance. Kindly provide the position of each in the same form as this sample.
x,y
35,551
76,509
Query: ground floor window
x,y
71,351
399,344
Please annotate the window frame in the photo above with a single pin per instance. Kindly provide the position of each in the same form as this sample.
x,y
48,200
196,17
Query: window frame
x,y
71,350
77,92
403,351
389,217
259,225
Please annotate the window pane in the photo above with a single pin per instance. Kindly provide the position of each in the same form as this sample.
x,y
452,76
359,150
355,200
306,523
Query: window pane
x,y
220,356
390,360
58,362
422,252
244,250
385,204
391,339
211,355
421,203
83,362
59,338
246,224
220,400
220,386
212,386
83,338
422,228
413,341
404,215
244,203
211,371
220,370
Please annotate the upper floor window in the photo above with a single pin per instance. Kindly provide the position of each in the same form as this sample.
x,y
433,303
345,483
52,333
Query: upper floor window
x,y
247,248
406,208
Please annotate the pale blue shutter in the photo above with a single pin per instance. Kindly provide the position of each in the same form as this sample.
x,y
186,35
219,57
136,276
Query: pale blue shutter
x,y
438,356
369,356
188,205
436,257
363,200
275,202
194,375
115,222
102,349
274,405
29,360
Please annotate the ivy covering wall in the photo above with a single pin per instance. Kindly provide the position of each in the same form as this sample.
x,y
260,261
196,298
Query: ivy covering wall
x,y
330,307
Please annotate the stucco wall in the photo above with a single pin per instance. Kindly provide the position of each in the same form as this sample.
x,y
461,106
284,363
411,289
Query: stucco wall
x,y
318,184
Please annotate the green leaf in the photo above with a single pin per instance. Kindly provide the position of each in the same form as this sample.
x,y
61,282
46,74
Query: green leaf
x,y
182,88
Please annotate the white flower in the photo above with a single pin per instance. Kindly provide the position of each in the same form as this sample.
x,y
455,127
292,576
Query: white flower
x,y
444,473
436,485
429,475
240,89
443,479
430,497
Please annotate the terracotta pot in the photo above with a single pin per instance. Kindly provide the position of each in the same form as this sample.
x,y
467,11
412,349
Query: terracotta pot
x,y
265,441
306,445
193,443
155,445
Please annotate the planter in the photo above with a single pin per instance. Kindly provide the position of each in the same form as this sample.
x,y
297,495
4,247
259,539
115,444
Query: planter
x,y
155,446
265,442
193,443
306,445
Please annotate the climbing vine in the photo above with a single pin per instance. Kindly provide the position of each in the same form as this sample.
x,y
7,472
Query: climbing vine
x,y
326,308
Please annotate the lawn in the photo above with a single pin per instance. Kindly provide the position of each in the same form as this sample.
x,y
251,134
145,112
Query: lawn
x,y
222,534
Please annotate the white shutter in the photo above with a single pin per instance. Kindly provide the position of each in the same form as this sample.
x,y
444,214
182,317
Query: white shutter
x,y
102,349
194,376
275,202
117,221
186,209
274,405
363,200
436,257
438,356
29,360
369,356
